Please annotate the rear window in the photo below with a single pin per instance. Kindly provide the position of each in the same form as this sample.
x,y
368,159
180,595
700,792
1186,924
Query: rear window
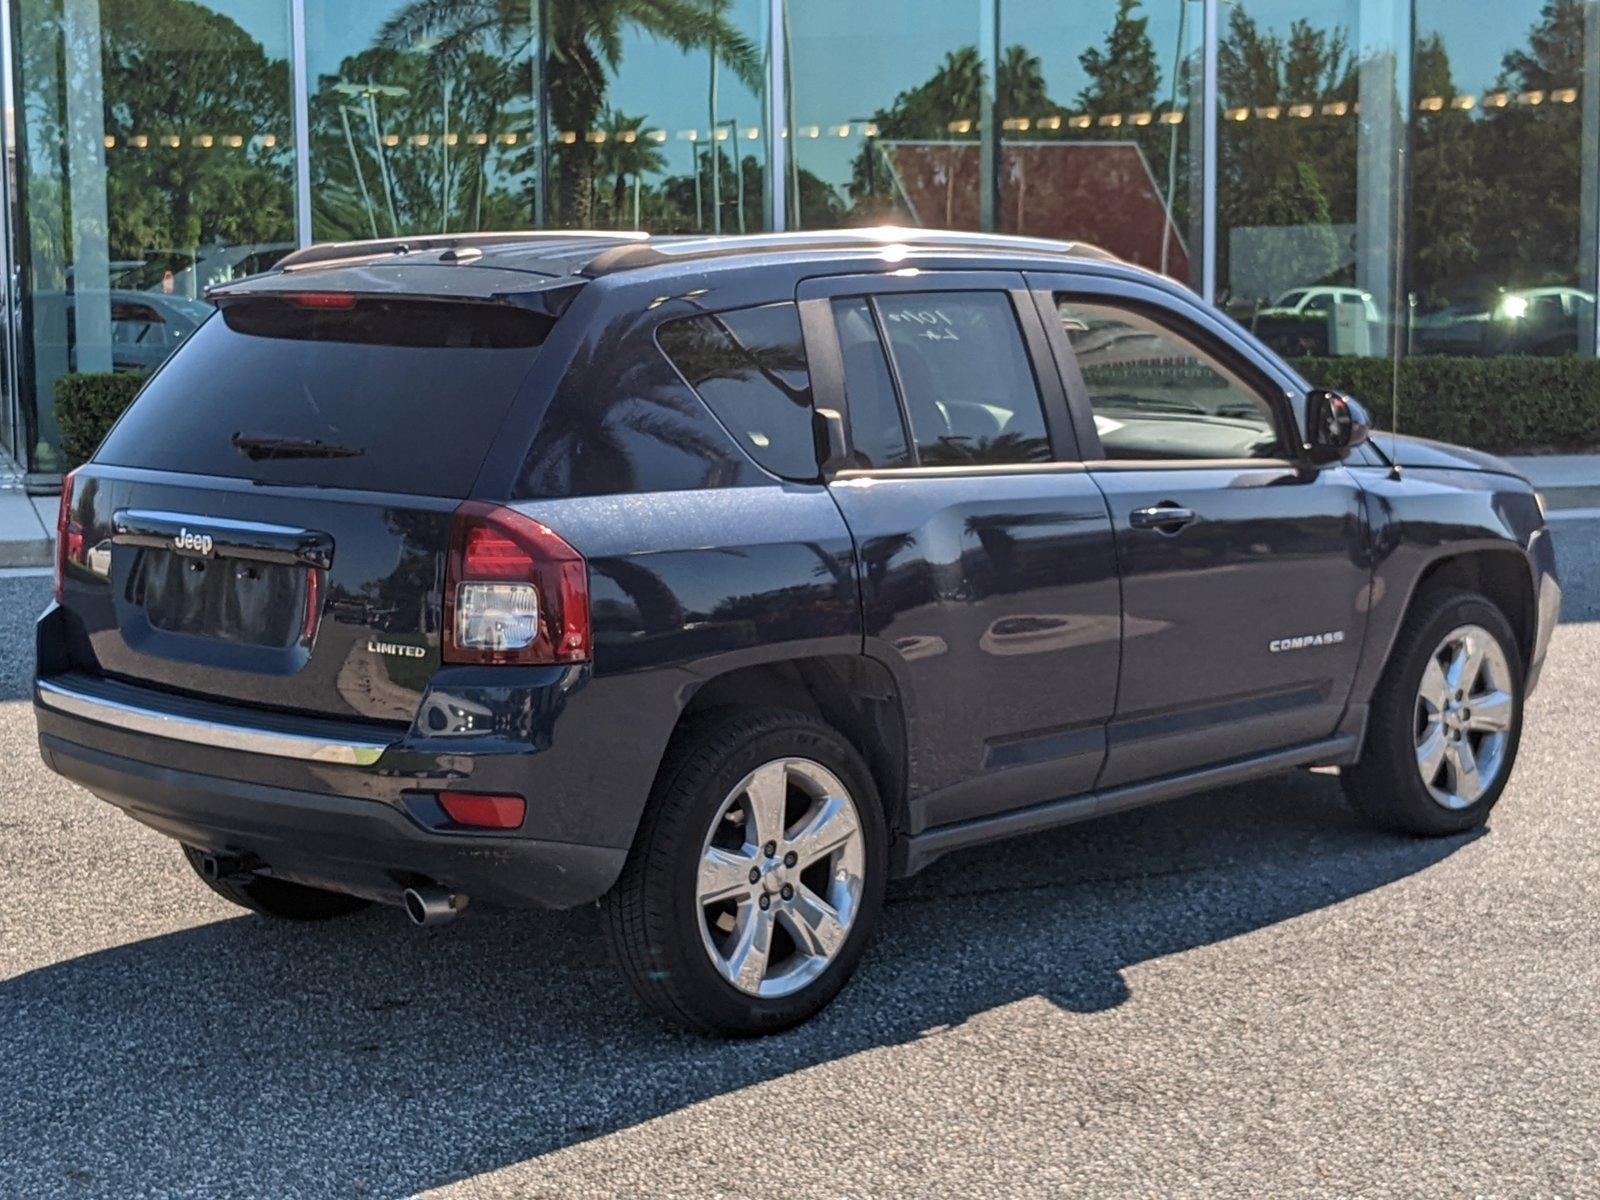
x,y
964,373
385,395
749,366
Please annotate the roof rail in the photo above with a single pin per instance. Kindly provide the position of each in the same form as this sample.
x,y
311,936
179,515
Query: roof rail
x,y
330,252
649,253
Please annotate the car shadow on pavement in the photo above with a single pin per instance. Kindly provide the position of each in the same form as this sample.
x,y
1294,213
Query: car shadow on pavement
x,y
363,1057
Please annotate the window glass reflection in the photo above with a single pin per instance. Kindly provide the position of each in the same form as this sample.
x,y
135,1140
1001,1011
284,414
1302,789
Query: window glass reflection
x,y
1503,231
1304,187
422,117
656,115
156,148
883,113
877,426
749,366
1157,396
1099,141
1093,108
426,118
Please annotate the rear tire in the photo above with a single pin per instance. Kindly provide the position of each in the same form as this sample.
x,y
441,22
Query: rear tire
x,y
775,794
276,897
1443,732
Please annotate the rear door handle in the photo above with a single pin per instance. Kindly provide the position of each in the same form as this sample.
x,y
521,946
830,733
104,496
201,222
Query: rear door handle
x,y
1168,518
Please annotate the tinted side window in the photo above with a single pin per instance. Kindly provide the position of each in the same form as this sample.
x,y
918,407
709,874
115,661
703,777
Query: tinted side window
x,y
749,366
1156,396
964,374
877,432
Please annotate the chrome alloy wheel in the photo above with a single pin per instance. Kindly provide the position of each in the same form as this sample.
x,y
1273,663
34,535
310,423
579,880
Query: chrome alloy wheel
x,y
780,877
1463,717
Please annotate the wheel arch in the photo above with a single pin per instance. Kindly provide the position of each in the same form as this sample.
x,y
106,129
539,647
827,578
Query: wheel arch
x,y
1384,784
1499,571
855,694
1500,575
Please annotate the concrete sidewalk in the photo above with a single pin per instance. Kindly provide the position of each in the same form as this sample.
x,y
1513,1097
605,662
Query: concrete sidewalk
x,y
1558,470
27,528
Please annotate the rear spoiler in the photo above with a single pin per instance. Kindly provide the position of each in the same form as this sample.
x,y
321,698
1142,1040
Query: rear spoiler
x,y
549,299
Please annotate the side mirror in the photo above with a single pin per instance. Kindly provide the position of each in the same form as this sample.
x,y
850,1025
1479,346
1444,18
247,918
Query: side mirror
x,y
1336,424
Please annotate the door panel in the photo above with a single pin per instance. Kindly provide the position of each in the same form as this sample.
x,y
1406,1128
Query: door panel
x,y
989,580
1273,553
993,598
1245,571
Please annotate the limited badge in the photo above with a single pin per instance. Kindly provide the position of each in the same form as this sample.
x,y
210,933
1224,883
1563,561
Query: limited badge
x,y
395,648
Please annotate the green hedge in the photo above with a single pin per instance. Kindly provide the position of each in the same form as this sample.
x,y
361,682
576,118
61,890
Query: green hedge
x,y
1499,404
86,408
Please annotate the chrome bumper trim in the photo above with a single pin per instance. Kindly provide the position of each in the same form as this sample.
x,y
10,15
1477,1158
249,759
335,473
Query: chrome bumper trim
x,y
250,739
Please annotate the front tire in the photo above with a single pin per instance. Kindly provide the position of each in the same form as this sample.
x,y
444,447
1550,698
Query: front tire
x,y
756,877
276,897
1443,732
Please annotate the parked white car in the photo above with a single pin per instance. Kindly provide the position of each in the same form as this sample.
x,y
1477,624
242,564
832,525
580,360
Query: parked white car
x,y
1323,299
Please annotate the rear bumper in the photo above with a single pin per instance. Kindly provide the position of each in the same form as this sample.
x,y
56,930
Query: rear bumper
x,y
219,798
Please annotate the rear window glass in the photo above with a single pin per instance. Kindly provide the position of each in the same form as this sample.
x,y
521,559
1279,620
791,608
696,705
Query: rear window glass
x,y
877,432
969,389
386,395
749,366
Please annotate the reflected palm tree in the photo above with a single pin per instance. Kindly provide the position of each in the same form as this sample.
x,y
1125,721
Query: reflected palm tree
x,y
1002,448
586,448
656,602
1004,541
625,154
1021,89
953,94
878,554
591,449
373,168
583,46
836,567
707,348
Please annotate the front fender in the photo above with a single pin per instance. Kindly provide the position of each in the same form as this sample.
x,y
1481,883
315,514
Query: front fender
x,y
1429,516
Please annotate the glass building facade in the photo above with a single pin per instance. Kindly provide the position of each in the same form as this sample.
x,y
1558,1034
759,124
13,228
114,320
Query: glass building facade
x,y
1347,177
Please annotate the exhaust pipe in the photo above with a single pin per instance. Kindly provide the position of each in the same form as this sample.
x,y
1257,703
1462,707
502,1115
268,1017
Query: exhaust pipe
x,y
217,867
431,905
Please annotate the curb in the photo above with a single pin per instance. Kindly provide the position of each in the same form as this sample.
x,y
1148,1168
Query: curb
x,y
1558,499
1553,474
27,529
35,552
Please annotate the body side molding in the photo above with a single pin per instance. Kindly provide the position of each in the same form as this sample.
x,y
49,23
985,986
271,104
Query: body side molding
x,y
918,851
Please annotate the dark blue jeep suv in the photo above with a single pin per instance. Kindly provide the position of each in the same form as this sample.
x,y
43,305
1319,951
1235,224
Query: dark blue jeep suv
x,y
724,579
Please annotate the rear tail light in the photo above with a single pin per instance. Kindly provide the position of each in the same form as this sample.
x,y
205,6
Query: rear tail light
x,y
69,536
514,591
484,812
308,629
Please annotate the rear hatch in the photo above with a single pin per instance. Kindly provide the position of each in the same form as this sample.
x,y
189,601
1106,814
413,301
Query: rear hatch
x,y
269,522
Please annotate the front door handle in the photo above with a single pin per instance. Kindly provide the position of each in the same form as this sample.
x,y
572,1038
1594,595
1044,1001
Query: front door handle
x,y
1166,517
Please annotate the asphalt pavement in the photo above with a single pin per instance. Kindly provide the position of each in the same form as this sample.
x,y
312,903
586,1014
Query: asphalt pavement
x,y
1244,993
